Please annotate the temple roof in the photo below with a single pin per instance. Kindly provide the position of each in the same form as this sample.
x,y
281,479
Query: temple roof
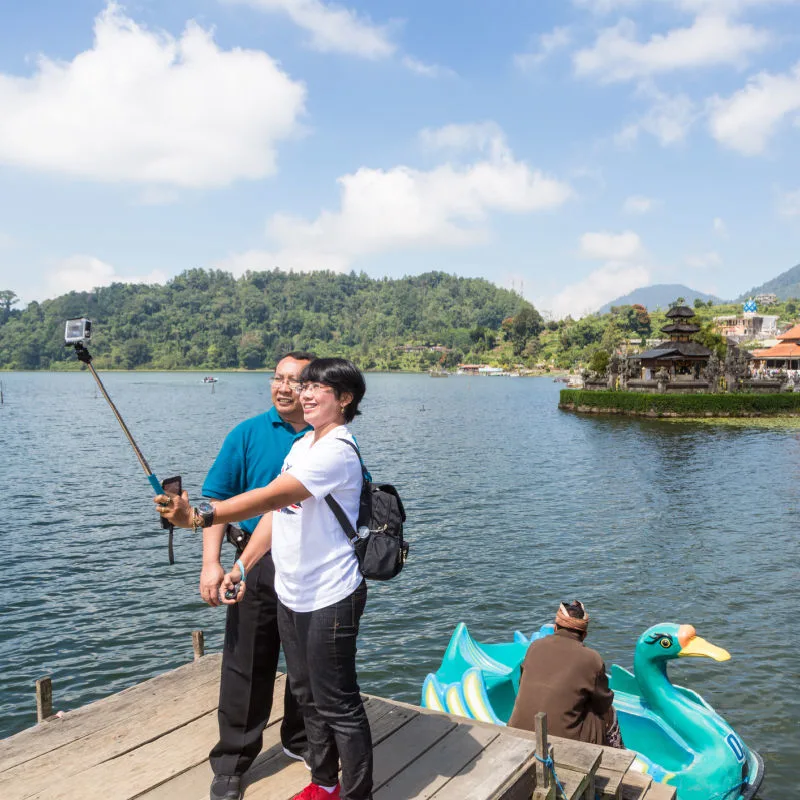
x,y
672,351
681,327
782,350
792,334
680,311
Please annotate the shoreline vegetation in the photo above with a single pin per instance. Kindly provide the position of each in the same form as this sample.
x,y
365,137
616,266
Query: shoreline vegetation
x,y
681,406
207,320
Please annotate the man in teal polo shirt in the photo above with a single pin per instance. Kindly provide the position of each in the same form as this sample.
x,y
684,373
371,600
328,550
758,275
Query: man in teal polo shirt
x,y
251,456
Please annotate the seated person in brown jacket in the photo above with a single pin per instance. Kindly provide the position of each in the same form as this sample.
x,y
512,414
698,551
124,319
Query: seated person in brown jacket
x,y
567,680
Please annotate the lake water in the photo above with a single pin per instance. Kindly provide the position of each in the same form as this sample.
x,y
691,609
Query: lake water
x,y
513,506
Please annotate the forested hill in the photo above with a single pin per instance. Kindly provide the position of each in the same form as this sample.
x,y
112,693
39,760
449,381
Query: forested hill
x,y
209,319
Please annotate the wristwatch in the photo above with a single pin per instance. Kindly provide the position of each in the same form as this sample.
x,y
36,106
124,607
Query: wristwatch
x,y
206,513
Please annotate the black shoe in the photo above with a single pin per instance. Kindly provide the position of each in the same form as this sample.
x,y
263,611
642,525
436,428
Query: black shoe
x,y
226,787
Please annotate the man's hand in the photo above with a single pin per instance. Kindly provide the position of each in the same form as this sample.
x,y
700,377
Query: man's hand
x,y
175,508
210,581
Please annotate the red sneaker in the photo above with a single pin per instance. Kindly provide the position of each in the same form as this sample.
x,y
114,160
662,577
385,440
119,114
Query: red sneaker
x,y
315,792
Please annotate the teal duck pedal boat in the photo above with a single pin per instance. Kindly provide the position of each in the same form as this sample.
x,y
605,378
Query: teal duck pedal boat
x,y
678,737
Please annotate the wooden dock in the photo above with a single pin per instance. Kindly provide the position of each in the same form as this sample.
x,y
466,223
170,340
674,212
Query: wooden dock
x,y
151,741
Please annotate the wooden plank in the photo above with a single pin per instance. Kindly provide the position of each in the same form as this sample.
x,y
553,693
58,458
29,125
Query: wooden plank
x,y
660,791
57,732
578,756
503,758
607,783
141,769
406,744
575,783
44,699
385,718
615,759
193,784
634,785
272,778
437,765
153,719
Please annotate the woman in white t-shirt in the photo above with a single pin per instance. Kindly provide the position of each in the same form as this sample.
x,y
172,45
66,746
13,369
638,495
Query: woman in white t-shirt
x,y
320,588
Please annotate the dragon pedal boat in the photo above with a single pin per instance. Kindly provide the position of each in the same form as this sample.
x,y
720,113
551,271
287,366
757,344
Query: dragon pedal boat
x,y
679,739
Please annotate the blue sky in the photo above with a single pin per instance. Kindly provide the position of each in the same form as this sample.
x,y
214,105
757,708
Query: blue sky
x,y
571,149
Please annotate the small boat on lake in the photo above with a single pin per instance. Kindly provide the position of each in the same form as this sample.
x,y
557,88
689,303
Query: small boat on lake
x,y
679,738
209,379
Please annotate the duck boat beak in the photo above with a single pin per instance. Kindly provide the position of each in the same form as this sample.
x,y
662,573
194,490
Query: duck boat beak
x,y
694,645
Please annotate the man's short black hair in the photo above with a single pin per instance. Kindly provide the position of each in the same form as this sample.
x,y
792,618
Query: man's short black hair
x,y
297,355
342,376
575,609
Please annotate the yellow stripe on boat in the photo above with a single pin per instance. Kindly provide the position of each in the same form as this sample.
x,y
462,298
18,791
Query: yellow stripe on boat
x,y
453,700
432,698
474,697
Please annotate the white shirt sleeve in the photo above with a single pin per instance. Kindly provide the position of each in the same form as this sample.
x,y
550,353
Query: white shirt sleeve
x,y
327,466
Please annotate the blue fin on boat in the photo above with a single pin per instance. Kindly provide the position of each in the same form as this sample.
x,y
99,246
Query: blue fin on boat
x,y
624,681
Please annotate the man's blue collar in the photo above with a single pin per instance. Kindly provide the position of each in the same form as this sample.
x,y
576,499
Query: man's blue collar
x,y
275,418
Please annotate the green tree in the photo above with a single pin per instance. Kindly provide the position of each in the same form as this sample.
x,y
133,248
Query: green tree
x,y
599,361
135,353
252,351
7,300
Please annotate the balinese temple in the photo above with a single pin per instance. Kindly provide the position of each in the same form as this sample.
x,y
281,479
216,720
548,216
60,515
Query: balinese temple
x,y
784,355
681,357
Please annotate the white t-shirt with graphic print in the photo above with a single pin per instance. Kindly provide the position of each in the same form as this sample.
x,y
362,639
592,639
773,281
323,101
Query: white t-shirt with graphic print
x,y
315,564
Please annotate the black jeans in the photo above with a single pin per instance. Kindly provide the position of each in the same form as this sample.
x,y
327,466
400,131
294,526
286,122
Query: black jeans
x,y
320,649
249,661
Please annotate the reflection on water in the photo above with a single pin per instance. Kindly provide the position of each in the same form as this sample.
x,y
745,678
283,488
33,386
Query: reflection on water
x,y
513,506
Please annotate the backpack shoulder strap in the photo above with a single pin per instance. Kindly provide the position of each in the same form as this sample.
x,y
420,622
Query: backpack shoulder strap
x,y
338,511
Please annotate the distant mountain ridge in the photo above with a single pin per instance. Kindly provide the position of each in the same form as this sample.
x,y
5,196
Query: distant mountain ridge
x,y
785,285
660,295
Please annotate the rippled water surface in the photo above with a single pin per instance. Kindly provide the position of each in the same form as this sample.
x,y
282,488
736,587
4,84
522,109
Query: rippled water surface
x,y
513,506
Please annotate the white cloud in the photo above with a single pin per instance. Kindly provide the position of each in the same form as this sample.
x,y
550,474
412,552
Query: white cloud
x,y
403,208
610,281
637,204
81,273
427,70
720,228
789,204
746,120
710,260
333,29
469,137
710,40
668,119
547,44
611,246
144,107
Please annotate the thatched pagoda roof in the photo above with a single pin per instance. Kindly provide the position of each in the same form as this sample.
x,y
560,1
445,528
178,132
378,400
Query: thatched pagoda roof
x,y
680,311
676,351
681,327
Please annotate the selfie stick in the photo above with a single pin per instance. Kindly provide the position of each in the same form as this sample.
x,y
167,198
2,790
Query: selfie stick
x,y
84,356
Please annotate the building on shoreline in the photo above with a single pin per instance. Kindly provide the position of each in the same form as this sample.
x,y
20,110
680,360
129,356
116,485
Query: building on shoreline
x,y
785,355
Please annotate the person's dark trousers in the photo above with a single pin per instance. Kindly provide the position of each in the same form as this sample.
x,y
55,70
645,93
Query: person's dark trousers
x,y
320,649
249,662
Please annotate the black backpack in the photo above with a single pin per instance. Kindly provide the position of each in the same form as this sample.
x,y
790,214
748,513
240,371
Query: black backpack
x,y
378,540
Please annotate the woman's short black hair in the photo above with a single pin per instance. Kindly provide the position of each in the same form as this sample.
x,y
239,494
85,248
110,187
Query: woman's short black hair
x,y
342,376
